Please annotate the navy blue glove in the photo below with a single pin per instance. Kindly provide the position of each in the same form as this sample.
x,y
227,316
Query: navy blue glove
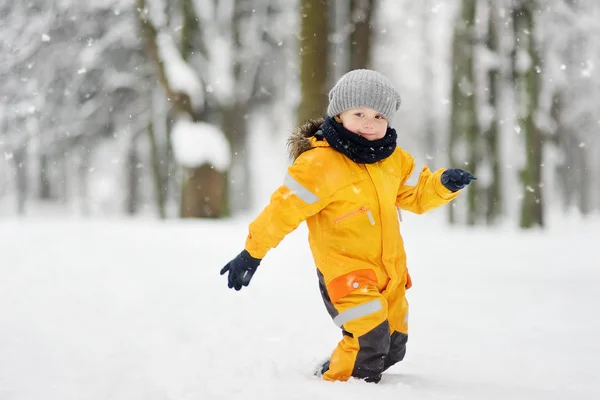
x,y
241,269
455,179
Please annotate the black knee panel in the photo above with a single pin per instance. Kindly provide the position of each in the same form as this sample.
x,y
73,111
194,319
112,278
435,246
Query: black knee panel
x,y
397,349
374,346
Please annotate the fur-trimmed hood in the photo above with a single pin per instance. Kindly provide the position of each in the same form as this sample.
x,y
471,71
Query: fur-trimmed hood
x,y
299,142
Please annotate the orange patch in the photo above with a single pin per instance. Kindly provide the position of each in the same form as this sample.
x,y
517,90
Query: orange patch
x,y
408,280
345,284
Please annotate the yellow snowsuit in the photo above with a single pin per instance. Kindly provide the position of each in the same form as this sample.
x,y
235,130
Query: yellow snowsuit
x,y
354,233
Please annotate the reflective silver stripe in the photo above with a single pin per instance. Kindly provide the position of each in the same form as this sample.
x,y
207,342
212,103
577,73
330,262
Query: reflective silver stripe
x,y
299,190
357,312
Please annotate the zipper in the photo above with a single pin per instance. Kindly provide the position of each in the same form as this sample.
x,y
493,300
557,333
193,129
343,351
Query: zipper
x,y
361,210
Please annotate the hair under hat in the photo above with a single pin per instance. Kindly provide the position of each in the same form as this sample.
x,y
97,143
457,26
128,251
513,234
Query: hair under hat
x,y
364,88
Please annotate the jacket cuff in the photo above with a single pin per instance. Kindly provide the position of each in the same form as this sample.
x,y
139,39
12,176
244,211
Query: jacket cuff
x,y
439,187
246,256
254,248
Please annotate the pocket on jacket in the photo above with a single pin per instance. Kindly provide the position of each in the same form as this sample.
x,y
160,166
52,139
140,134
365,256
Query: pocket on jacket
x,y
352,215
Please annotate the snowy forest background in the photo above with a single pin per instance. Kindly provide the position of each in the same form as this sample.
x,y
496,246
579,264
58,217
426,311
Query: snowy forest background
x,y
182,108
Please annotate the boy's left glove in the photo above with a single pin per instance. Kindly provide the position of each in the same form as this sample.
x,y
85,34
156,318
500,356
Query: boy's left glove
x,y
241,269
455,179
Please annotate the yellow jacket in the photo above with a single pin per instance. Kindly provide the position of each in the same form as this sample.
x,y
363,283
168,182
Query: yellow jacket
x,y
351,211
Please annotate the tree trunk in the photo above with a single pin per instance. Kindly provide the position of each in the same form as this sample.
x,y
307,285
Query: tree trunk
x,y
133,178
582,122
20,162
204,193
83,169
464,122
528,84
583,183
207,180
493,192
45,192
314,59
234,125
189,30
3,178
361,37
559,135
158,163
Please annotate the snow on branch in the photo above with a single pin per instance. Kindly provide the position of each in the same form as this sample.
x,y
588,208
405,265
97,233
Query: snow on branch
x,y
196,144
23,38
121,32
156,13
180,76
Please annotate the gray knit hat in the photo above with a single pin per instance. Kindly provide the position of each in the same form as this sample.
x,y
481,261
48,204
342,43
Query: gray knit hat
x,y
364,88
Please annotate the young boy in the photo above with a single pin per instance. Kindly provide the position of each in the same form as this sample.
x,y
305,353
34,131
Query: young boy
x,y
347,182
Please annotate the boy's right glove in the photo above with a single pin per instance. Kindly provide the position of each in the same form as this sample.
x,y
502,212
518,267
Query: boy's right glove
x,y
455,179
241,269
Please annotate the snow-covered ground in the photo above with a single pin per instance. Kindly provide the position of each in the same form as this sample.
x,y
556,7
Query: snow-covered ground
x,y
137,310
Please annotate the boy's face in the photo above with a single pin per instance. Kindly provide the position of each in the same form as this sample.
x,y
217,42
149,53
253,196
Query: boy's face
x,y
365,122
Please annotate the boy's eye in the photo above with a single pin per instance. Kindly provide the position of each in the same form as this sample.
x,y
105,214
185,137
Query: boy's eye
x,y
359,114
380,117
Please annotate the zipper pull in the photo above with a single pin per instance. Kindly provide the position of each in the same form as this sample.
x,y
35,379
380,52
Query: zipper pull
x,y
370,215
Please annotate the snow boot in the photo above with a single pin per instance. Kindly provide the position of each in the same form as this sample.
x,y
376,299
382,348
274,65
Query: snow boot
x,y
322,368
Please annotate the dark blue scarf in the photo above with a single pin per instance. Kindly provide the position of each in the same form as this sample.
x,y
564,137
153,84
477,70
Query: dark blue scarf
x,y
356,147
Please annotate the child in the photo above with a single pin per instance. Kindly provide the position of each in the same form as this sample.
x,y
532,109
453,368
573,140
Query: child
x,y
348,182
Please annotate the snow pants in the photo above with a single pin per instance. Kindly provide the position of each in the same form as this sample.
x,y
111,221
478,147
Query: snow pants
x,y
374,328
